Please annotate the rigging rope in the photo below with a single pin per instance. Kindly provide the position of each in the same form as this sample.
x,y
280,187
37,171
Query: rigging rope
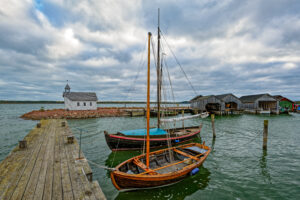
x,y
141,63
179,65
167,69
113,160
101,166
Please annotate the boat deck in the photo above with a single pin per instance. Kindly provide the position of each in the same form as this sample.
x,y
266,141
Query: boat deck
x,y
47,168
172,168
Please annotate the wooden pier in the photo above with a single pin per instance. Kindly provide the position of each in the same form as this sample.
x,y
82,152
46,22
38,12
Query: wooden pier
x,y
46,166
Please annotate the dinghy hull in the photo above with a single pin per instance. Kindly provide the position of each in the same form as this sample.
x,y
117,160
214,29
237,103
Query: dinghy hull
x,y
146,180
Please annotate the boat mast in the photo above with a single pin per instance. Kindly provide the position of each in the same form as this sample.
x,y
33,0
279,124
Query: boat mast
x,y
158,74
148,104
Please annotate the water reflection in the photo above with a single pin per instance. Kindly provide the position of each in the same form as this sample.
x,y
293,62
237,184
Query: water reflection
x,y
264,167
213,144
179,190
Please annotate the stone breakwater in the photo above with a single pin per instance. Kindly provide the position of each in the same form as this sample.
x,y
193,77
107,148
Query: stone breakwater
x,y
77,114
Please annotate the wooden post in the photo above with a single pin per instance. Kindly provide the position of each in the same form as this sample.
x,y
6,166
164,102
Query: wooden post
x,y
38,125
213,125
70,139
182,112
89,176
265,139
22,144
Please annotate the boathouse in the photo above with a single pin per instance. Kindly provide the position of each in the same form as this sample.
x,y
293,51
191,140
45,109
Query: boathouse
x,y
260,103
208,103
79,100
285,104
232,103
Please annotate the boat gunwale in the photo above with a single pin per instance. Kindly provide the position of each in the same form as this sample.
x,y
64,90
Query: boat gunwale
x,y
142,136
154,139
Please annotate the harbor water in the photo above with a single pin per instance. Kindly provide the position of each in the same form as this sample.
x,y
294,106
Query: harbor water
x,y
237,167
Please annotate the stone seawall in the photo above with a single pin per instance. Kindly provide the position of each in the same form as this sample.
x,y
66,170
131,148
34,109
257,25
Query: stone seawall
x,y
76,114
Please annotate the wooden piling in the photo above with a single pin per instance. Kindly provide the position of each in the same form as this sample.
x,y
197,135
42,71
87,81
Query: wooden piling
x,y
70,139
213,125
22,144
182,112
265,136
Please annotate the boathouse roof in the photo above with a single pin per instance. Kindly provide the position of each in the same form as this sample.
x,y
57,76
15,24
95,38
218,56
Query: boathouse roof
x,y
253,98
81,96
195,98
222,96
205,97
281,98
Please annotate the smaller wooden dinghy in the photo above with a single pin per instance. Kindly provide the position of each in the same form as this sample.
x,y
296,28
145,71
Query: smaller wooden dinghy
x,y
167,166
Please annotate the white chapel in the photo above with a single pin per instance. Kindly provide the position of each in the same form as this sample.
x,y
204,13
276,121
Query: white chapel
x,y
79,100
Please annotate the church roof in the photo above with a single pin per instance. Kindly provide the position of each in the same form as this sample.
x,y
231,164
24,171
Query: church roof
x,y
81,96
67,87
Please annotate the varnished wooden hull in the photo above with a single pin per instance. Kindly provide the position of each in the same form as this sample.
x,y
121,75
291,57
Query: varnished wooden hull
x,y
124,181
121,143
130,183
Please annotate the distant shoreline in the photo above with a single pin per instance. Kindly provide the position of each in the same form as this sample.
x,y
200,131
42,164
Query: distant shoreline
x,y
99,102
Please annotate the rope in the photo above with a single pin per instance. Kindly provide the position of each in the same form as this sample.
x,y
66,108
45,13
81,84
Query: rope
x,y
101,166
113,160
141,63
179,65
153,51
167,69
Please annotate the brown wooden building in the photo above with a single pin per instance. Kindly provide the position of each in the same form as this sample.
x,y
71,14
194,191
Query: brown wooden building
x,y
260,103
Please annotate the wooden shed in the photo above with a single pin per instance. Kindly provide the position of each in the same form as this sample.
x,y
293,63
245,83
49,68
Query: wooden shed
x,y
208,103
260,103
232,103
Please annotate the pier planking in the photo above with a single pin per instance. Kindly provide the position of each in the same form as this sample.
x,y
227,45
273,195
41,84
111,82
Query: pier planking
x,y
47,168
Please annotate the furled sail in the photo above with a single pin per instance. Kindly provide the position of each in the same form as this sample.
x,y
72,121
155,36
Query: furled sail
x,y
202,115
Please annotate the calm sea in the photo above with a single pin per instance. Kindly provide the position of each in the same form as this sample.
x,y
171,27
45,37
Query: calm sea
x,y
237,167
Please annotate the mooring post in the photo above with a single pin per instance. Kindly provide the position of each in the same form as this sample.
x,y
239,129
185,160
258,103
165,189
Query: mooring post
x,y
265,140
79,144
22,144
89,176
213,125
182,112
70,139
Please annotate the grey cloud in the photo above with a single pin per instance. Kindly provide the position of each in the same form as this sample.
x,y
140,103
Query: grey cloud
x,y
27,71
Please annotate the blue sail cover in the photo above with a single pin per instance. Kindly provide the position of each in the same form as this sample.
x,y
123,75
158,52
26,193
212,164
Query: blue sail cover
x,y
153,131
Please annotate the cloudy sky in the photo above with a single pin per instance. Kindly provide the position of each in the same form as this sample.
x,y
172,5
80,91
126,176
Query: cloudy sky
x,y
224,46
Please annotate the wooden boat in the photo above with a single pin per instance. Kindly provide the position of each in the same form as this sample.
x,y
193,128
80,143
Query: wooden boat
x,y
121,142
128,140
162,167
163,170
